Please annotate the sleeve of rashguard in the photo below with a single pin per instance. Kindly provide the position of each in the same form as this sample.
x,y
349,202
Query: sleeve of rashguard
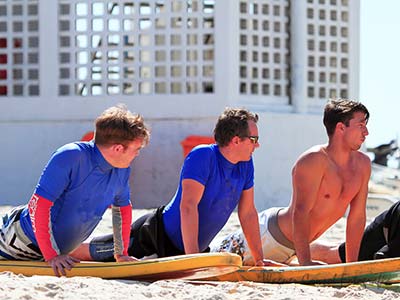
x,y
197,165
122,219
39,212
57,174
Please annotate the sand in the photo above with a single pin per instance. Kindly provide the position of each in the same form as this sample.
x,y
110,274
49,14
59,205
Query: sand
x,y
46,287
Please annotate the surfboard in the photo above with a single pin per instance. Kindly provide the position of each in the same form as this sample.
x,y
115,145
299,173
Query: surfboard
x,y
194,266
384,270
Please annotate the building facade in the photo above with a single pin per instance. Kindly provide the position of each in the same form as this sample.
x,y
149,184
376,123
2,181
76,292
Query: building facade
x,y
178,63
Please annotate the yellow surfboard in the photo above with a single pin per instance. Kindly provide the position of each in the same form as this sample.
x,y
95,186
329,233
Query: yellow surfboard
x,y
384,270
194,266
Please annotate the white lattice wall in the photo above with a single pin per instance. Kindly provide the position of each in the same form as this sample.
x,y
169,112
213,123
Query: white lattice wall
x,y
131,47
19,48
328,45
159,47
264,49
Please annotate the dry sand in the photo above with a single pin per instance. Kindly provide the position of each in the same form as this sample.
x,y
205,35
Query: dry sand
x,y
43,287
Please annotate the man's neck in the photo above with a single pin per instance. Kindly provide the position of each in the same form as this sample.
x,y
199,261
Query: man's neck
x,y
338,153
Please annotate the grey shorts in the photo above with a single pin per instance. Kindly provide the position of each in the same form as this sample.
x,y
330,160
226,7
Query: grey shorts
x,y
274,244
14,244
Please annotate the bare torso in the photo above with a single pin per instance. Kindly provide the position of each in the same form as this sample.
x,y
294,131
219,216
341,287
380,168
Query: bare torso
x,y
338,186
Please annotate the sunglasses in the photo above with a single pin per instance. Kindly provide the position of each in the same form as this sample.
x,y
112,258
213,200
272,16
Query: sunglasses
x,y
253,138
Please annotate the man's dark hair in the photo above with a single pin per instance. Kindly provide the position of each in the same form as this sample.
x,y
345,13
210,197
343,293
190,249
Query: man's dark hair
x,y
233,122
341,110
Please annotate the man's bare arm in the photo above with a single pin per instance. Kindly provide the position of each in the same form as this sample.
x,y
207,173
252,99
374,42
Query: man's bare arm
x,y
306,176
251,228
357,215
192,192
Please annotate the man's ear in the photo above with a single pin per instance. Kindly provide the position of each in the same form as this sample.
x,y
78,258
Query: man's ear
x,y
117,148
340,126
236,140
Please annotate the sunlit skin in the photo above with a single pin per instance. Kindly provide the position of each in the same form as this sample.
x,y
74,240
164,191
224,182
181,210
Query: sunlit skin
x,y
241,148
120,156
356,131
326,180
129,153
250,146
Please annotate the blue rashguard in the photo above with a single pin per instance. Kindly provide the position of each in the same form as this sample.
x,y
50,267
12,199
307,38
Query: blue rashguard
x,y
223,182
82,185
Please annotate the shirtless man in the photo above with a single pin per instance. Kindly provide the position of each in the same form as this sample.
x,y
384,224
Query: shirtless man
x,y
326,180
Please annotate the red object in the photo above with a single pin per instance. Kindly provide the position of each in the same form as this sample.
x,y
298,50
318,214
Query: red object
x,y
3,58
3,74
126,215
193,140
88,136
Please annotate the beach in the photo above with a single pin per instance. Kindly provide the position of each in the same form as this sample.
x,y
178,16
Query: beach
x,y
46,287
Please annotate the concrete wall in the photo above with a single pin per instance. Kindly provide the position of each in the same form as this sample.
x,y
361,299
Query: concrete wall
x,y
25,150
283,137
156,171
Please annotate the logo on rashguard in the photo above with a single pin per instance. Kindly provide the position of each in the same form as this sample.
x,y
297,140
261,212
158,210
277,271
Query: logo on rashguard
x,y
32,210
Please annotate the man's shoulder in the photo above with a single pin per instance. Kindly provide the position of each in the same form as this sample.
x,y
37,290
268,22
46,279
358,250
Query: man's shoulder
x,y
315,154
200,158
76,146
73,151
362,159
203,151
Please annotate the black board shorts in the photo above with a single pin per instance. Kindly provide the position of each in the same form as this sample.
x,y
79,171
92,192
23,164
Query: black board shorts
x,y
372,241
147,238
381,238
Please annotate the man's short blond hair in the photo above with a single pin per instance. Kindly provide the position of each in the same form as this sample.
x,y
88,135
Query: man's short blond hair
x,y
117,125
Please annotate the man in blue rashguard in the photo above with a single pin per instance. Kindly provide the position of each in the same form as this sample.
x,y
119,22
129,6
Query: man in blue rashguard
x,y
214,180
80,181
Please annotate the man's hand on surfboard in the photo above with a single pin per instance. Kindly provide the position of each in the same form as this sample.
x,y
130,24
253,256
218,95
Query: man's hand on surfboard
x,y
123,258
269,263
62,262
314,263
272,263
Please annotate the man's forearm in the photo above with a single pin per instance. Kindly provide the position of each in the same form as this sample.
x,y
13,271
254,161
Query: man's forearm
x,y
251,231
121,219
190,229
303,252
353,242
300,240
